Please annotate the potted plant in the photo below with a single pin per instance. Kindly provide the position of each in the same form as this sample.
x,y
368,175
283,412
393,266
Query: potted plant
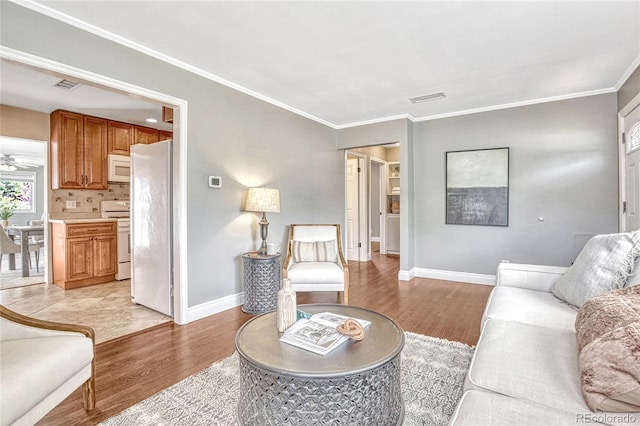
x,y
7,210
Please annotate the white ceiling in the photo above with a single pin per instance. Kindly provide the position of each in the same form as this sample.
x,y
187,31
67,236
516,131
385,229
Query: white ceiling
x,y
344,63
32,88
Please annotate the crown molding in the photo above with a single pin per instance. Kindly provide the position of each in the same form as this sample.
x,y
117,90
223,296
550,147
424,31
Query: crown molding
x,y
518,104
54,14
627,73
375,121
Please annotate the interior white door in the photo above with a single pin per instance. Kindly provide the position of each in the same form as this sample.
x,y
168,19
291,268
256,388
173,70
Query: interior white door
x,y
632,170
353,214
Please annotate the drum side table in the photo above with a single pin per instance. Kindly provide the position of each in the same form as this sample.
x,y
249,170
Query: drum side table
x,y
261,283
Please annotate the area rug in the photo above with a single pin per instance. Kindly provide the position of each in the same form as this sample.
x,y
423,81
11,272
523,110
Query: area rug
x,y
433,372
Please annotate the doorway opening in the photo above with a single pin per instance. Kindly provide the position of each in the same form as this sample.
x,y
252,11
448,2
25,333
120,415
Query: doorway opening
x,y
117,90
23,202
629,165
372,182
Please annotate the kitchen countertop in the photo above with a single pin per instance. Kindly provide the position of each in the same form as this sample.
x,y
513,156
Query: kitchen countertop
x,y
98,219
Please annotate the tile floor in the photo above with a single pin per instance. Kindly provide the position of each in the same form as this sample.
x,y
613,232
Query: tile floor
x,y
107,308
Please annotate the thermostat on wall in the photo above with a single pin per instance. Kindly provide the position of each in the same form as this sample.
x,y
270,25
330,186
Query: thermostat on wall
x,y
215,182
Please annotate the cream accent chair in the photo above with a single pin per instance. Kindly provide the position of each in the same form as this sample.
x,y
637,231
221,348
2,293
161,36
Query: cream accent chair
x,y
308,275
42,363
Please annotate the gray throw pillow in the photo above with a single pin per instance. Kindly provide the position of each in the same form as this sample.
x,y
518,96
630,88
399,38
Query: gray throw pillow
x,y
604,264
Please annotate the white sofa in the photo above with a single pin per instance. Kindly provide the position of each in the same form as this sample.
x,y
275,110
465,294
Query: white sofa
x,y
525,367
41,363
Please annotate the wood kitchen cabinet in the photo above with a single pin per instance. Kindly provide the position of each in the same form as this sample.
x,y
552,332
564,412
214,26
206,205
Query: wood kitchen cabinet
x,y
145,135
78,151
84,253
163,135
120,137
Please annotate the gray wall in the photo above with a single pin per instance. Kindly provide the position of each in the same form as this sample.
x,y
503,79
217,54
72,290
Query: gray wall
x,y
563,167
372,134
246,141
400,130
374,221
629,89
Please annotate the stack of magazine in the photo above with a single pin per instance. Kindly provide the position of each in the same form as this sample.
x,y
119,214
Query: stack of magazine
x,y
318,333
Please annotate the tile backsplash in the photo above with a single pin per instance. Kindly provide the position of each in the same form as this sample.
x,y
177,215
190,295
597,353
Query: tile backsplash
x,y
87,201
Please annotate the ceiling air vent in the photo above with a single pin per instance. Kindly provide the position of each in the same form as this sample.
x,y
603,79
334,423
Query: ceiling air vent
x,y
429,97
66,84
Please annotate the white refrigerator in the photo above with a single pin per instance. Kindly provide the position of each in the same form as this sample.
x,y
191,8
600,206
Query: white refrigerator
x,y
151,230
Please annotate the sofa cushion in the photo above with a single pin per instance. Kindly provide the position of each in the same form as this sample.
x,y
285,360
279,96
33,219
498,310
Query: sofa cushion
x,y
538,365
604,264
488,408
529,307
25,364
315,273
608,333
316,251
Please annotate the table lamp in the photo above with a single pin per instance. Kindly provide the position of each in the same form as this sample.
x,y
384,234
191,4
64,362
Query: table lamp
x,y
263,200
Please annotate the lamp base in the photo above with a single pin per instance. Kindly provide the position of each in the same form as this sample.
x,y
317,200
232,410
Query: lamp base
x,y
264,230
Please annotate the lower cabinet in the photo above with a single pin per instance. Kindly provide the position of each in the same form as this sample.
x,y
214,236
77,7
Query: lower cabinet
x,y
83,253
392,240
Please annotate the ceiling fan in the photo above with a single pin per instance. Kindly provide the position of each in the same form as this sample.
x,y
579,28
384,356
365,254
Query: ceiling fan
x,y
10,164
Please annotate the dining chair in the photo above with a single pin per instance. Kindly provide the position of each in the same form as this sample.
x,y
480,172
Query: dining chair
x,y
7,246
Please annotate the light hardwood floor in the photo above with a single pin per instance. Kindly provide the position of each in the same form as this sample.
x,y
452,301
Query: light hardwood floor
x,y
133,368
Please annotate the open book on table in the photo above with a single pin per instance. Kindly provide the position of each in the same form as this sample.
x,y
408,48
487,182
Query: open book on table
x,y
318,333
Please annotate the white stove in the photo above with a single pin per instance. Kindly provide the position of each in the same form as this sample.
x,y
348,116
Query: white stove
x,y
120,210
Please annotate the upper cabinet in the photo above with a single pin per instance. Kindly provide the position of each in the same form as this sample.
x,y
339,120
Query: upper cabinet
x,y
167,114
145,135
163,135
78,151
80,144
120,137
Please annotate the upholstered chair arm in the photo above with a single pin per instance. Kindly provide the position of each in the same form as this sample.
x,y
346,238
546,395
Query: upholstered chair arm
x,y
16,327
287,261
341,261
39,328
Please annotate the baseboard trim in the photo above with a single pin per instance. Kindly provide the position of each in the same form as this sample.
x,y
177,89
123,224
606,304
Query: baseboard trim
x,y
215,306
438,274
375,239
406,275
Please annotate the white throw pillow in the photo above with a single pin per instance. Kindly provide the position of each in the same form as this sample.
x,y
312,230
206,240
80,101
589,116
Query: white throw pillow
x,y
314,251
604,264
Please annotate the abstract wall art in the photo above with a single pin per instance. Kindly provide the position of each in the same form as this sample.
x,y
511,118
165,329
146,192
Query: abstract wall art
x,y
477,186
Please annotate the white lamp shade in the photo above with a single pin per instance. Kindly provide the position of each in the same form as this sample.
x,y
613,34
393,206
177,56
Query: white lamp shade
x,y
263,200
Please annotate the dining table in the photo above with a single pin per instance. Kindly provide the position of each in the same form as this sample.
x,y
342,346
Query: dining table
x,y
24,231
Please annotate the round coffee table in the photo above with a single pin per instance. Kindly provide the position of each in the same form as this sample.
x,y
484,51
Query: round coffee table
x,y
356,384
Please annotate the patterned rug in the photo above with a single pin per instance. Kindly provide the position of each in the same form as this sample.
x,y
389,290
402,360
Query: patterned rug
x,y
433,372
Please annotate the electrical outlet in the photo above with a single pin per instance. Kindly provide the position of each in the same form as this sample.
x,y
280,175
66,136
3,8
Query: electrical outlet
x,y
70,204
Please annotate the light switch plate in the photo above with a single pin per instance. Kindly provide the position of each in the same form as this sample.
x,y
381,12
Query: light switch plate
x,y
70,204
215,182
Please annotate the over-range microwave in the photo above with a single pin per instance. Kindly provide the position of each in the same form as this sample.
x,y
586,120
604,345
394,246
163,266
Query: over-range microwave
x,y
119,168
